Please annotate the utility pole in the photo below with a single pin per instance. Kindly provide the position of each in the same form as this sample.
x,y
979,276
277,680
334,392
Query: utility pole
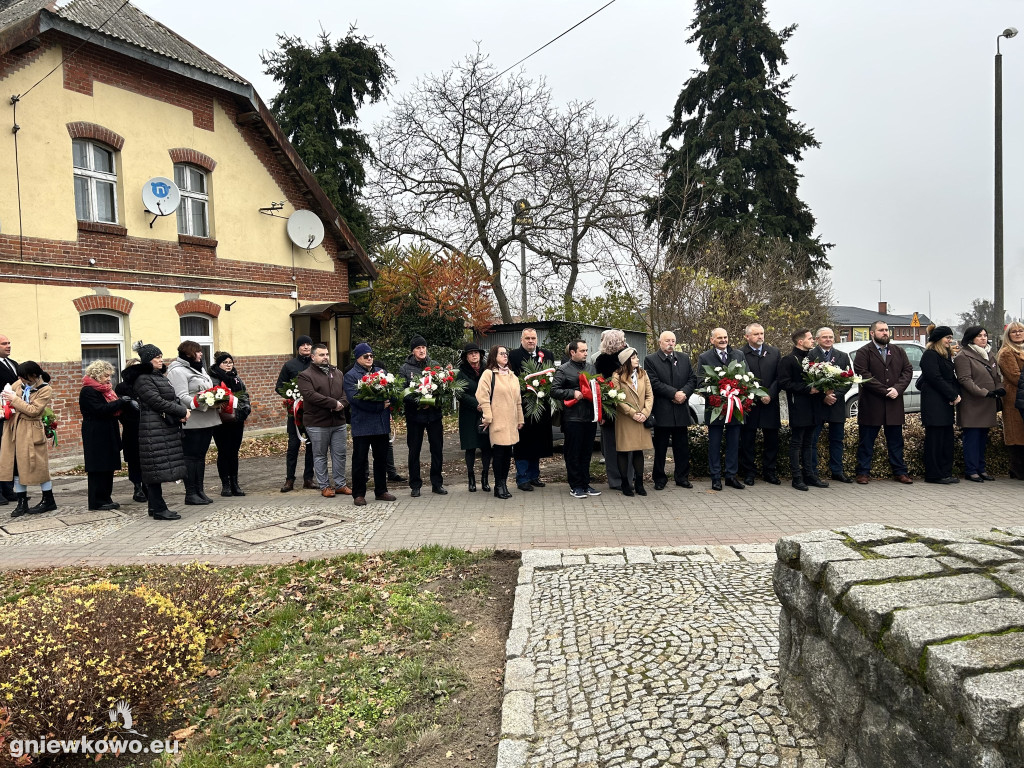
x,y
998,234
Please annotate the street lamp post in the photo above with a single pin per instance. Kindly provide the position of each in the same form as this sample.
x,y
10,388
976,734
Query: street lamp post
x,y
998,245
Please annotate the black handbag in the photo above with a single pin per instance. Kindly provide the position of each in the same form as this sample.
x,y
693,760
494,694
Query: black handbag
x,y
649,423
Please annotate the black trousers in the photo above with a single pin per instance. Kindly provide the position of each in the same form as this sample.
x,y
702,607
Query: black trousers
x,y
228,438
292,457
502,455
623,459
938,452
361,466
196,442
155,494
769,454
680,440
577,450
435,438
101,485
130,449
800,453
485,459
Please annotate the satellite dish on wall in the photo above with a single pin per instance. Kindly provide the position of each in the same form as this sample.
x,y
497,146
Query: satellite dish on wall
x,y
161,196
305,229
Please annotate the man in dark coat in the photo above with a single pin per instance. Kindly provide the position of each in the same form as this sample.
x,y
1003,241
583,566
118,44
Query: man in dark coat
x,y
762,361
535,436
805,411
420,419
719,355
881,401
8,375
673,381
291,370
578,423
371,427
833,405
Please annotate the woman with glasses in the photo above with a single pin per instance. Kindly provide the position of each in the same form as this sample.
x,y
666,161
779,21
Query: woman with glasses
x,y
501,403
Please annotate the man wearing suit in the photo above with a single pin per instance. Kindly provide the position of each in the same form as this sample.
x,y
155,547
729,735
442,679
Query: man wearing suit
x,y
805,411
881,401
834,405
673,381
762,361
535,436
719,355
8,375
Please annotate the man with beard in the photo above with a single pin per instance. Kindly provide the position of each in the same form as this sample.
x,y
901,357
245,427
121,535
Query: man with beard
x,y
422,418
763,362
535,436
291,370
834,404
881,401
805,411
720,355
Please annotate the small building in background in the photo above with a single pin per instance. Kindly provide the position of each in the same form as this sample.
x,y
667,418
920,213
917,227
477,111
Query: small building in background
x,y
853,323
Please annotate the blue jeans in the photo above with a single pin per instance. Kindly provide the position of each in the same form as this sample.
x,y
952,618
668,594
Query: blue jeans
x,y
893,441
836,432
732,450
527,470
975,440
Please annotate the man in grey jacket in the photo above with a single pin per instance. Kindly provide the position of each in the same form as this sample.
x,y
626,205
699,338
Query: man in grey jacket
x,y
578,424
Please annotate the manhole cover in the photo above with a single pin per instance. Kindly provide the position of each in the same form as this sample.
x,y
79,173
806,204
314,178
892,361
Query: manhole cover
x,y
309,523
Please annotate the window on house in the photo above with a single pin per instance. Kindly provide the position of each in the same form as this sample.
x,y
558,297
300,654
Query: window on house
x,y
194,211
95,181
102,339
199,328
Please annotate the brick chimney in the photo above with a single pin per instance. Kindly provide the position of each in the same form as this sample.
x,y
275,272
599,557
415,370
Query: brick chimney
x,y
883,308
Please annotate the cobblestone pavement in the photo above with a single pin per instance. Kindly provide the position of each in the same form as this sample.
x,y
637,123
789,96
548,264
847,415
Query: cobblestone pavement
x,y
639,657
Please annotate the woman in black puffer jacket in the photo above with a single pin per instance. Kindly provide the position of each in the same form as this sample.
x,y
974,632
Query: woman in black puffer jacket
x,y
160,451
228,434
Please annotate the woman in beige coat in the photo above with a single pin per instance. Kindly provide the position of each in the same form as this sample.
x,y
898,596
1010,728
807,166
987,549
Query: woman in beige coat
x,y
501,404
632,438
24,457
1011,358
980,385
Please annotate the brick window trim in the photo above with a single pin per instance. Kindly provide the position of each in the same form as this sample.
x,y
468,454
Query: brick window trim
x,y
107,229
205,242
193,157
111,303
197,307
83,130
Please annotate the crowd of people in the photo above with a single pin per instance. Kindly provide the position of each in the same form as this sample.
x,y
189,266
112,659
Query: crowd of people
x,y
160,421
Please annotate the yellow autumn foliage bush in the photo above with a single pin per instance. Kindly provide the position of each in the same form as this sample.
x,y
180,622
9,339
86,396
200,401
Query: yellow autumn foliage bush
x,y
68,655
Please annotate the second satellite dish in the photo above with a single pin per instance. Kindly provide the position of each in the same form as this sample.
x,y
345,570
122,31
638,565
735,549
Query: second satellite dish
x,y
161,196
305,229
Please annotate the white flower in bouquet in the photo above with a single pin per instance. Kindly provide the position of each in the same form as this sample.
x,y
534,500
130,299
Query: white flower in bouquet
x,y
540,393
390,378
718,369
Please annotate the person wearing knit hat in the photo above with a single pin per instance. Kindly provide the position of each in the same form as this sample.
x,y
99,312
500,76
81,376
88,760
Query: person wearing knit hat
x,y
361,349
940,394
420,419
147,352
370,426
290,372
980,386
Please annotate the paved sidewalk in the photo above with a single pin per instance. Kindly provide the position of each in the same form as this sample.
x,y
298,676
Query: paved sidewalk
x,y
268,526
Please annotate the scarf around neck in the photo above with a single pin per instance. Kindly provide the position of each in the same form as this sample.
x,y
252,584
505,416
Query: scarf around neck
x,y
104,389
504,370
980,350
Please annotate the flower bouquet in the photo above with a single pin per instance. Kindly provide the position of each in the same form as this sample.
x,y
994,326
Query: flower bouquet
x,y
50,424
220,397
293,404
6,412
380,387
535,382
731,390
437,386
828,377
603,393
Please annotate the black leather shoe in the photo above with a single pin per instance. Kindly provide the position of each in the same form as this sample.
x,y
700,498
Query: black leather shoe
x,y
524,487
943,481
415,492
733,482
800,485
986,476
536,483
472,483
974,478
816,482
396,478
841,478
684,483
440,490
626,490
165,515
749,480
104,507
773,479
640,490
716,485
659,486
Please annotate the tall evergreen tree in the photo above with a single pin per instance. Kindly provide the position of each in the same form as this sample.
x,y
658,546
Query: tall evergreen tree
x,y
322,88
733,137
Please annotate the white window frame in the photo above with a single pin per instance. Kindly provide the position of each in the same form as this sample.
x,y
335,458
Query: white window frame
x,y
92,176
189,195
105,339
206,342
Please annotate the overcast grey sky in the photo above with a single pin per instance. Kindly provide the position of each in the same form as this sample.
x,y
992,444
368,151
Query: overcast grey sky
x,y
900,95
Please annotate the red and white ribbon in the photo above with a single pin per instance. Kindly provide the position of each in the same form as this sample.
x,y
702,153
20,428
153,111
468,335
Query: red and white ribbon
x,y
732,400
545,372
